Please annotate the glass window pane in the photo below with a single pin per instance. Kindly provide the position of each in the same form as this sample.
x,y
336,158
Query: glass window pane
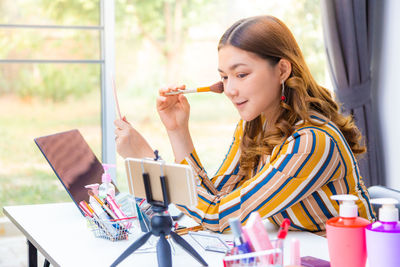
x,y
19,43
71,12
42,99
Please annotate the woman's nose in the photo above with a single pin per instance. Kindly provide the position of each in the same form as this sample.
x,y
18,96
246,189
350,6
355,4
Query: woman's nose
x,y
230,88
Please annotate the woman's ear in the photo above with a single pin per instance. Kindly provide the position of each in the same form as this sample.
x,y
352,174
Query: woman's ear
x,y
285,68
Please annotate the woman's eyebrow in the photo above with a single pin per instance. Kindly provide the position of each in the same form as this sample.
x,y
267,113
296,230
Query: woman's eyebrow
x,y
234,66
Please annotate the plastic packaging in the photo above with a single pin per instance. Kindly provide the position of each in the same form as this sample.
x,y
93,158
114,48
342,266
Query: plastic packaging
x,y
383,236
346,235
240,245
243,247
256,234
106,188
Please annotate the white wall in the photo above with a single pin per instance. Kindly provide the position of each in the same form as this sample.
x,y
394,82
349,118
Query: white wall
x,y
386,77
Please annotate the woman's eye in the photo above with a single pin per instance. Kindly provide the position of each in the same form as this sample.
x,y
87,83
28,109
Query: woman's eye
x,y
223,78
242,75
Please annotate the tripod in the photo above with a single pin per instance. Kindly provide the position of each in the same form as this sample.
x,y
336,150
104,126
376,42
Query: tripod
x,y
161,225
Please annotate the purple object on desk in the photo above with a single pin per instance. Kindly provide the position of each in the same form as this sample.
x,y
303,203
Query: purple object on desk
x,y
310,261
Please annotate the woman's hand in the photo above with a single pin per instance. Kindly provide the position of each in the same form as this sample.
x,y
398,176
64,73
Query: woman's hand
x,y
174,113
173,110
129,142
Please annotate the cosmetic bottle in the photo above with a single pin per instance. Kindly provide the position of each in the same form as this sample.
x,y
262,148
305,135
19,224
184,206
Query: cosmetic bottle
x,y
383,236
238,241
346,235
256,236
106,188
295,260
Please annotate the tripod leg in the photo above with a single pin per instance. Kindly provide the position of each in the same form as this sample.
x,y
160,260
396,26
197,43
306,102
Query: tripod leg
x,y
137,244
164,257
187,247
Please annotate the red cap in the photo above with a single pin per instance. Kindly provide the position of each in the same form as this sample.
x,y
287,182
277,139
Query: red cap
x,y
284,229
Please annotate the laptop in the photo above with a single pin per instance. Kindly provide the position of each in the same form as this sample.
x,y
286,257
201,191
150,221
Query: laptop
x,y
73,162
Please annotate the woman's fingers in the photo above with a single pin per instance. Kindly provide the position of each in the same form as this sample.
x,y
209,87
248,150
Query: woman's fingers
x,y
171,88
122,124
164,102
163,90
184,102
118,132
161,102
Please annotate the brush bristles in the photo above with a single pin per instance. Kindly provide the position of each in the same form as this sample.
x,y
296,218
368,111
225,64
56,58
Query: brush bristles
x,y
217,87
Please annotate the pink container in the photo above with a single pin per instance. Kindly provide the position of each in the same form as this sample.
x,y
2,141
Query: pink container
x,y
346,235
346,241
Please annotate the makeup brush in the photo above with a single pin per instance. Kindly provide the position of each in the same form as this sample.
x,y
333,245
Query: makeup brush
x,y
216,88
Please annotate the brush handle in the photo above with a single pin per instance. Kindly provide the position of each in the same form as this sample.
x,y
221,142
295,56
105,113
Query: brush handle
x,y
188,91
115,97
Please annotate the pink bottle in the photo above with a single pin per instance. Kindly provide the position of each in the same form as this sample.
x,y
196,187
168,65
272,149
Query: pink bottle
x,y
346,235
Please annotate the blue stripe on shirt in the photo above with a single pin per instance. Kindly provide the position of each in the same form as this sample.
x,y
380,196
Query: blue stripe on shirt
x,y
195,161
193,214
309,155
267,178
322,206
295,150
204,185
286,216
334,172
313,180
270,175
206,200
309,215
226,178
273,195
230,210
296,135
259,185
332,189
338,149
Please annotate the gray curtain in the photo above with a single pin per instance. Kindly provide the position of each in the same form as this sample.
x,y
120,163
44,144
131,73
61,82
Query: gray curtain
x,y
347,26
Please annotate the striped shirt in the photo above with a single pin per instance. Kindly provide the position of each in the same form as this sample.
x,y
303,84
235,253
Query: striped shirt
x,y
295,182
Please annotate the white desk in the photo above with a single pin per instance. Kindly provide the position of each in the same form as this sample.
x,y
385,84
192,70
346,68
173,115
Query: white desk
x,y
59,232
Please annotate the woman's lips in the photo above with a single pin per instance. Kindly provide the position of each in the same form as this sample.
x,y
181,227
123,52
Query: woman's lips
x,y
240,104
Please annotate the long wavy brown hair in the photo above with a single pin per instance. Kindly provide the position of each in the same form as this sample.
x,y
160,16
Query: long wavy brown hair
x,y
270,39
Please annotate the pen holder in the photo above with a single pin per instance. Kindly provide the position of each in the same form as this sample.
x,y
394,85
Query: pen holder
x,y
112,230
265,258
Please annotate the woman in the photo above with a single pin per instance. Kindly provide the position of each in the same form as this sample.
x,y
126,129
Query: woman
x,y
291,150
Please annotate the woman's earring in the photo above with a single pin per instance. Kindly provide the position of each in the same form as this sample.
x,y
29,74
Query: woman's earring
x,y
283,98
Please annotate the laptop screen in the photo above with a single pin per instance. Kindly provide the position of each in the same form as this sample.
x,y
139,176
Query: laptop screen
x,y
73,162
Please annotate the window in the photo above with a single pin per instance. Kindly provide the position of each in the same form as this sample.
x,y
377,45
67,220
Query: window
x,y
55,63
